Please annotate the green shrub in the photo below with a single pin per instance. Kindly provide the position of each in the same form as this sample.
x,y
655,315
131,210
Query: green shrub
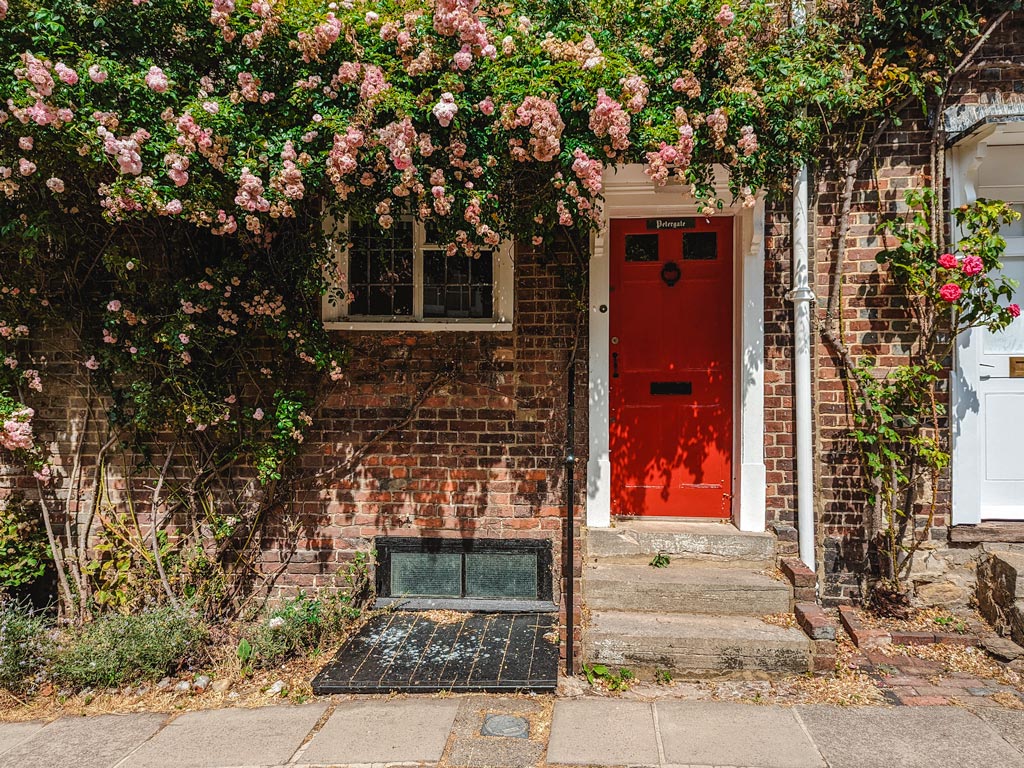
x,y
23,549
298,626
24,648
117,649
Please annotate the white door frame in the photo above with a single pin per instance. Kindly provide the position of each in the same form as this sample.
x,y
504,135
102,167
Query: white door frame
x,y
629,193
966,185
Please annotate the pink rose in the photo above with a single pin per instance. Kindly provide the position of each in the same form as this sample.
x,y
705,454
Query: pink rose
x,y
972,265
725,16
947,261
67,75
258,414
96,74
26,143
26,167
173,207
156,79
92,364
950,292
113,305
1014,310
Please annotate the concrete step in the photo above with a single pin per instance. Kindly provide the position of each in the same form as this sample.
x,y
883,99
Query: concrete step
x,y
695,646
683,587
714,542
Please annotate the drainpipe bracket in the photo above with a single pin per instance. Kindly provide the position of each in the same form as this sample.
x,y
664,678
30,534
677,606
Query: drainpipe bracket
x,y
803,293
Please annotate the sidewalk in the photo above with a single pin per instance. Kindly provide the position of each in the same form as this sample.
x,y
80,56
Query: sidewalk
x,y
446,732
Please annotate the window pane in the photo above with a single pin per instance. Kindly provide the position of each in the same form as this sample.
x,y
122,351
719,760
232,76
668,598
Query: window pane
x,y
700,246
501,575
380,270
426,573
458,286
641,247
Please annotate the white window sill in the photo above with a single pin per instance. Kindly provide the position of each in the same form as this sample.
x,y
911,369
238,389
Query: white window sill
x,y
406,325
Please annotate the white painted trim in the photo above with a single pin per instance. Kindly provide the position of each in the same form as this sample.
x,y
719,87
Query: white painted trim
x,y
629,193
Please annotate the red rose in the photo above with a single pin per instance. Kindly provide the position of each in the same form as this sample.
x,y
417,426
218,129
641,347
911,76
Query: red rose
x,y
947,261
1014,310
972,265
950,292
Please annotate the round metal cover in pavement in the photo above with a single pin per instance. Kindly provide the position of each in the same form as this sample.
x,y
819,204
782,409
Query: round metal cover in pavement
x,y
506,725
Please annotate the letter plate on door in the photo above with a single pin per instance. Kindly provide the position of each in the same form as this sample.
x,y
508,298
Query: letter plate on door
x,y
1017,367
671,388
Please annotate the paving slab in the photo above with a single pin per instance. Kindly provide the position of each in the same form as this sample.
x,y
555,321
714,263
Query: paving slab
x,y
602,732
906,737
724,733
222,738
1008,723
83,742
383,731
12,734
470,749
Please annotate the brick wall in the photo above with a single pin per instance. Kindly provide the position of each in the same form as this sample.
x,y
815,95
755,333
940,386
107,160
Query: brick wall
x,y
456,434
874,322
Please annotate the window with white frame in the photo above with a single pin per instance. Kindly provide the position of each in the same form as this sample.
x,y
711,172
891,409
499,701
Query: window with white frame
x,y
402,277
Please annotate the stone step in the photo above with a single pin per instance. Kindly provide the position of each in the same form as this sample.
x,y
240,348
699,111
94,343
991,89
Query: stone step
x,y
714,542
695,646
683,587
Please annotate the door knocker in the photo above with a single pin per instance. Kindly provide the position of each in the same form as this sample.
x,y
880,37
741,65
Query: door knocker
x,y
670,273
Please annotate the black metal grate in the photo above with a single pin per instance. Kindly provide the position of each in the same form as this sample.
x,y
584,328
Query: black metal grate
x,y
411,652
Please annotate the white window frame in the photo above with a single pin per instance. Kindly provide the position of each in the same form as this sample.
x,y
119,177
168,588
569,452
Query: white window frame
x,y
336,318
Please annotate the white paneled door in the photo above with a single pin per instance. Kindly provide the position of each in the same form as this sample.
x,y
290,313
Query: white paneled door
x,y
988,413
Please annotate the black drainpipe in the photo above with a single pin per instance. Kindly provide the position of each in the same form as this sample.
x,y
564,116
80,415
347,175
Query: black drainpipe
x,y
570,503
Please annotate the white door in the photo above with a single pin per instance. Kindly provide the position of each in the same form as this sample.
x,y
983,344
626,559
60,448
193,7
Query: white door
x,y
988,412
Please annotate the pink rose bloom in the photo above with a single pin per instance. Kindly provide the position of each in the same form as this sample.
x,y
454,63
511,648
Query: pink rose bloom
x,y
3,9
55,185
947,261
113,305
96,74
67,75
183,338
950,292
258,414
445,109
92,364
972,265
486,106
725,16
26,167
173,207
156,79
26,143
463,59
1014,310
371,17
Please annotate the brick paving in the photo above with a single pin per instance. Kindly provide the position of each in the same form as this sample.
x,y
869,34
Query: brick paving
x,y
910,681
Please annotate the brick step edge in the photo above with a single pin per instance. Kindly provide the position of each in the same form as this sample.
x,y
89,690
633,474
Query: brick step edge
x,y
803,579
867,638
821,629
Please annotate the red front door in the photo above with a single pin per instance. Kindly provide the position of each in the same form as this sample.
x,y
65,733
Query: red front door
x,y
670,397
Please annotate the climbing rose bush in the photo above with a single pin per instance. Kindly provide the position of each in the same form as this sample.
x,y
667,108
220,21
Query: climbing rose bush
x,y
167,167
